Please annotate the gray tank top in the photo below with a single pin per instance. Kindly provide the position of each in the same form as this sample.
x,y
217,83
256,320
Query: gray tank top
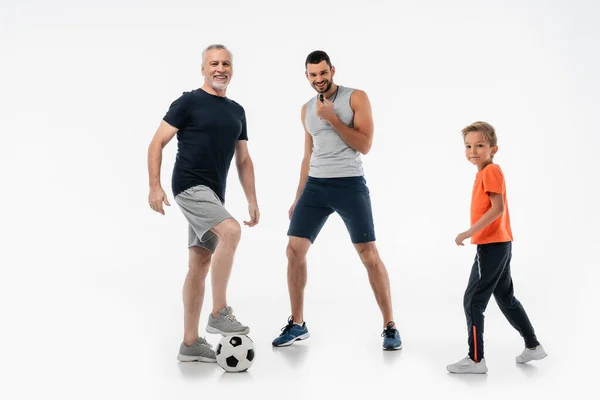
x,y
331,156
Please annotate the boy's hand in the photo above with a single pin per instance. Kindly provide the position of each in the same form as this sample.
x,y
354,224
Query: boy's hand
x,y
461,237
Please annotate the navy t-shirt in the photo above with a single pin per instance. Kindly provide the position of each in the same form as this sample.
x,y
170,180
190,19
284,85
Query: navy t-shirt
x,y
209,128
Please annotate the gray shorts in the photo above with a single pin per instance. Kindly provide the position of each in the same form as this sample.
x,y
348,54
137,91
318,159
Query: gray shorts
x,y
203,210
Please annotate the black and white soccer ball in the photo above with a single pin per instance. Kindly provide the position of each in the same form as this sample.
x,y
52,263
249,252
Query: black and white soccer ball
x,y
235,353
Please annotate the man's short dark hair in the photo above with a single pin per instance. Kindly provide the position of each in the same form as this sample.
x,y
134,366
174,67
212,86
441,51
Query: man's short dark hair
x,y
316,57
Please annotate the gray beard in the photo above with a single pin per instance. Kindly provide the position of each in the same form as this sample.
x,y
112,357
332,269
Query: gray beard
x,y
218,87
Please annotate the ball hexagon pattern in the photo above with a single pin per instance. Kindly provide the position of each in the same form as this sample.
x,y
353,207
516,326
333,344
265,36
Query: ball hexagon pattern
x,y
235,353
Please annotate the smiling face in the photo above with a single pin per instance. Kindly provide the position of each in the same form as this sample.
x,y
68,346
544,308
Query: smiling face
x,y
217,69
478,149
320,76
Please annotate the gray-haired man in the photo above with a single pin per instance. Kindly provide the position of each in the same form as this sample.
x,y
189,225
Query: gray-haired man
x,y
210,129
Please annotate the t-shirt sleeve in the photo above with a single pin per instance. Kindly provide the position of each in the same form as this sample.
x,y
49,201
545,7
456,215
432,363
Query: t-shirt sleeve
x,y
493,180
177,115
244,133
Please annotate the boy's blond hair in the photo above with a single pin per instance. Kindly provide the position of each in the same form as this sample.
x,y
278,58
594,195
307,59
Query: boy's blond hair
x,y
488,132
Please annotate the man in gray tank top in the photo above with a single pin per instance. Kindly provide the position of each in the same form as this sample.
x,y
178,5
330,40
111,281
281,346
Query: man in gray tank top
x,y
338,127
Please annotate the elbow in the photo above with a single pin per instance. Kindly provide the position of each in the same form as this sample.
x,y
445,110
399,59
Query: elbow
x,y
366,147
154,146
157,144
499,209
364,150
242,164
306,161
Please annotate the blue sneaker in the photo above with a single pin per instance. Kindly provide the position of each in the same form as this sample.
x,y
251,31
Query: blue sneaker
x,y
290,333
391,337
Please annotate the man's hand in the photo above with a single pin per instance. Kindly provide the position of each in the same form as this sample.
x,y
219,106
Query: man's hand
x,y
325,110
156,199
254,215
291,210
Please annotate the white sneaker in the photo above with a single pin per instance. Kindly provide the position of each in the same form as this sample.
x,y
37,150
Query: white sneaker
x,y
468,366
530,355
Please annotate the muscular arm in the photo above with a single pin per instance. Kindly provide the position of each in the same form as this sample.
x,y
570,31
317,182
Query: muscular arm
x,y
360,138
308,148
245,168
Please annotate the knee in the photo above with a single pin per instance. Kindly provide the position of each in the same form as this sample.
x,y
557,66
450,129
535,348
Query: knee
x,y
467,304
471,301
294,254
505,302
232,232
369,256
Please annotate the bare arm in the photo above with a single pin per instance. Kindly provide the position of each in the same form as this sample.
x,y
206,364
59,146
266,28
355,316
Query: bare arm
x,y
163,135
308,148
490,216
360,138
496,210
245,168
305,166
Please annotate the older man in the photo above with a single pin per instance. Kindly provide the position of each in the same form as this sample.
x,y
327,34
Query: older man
x,y
210,129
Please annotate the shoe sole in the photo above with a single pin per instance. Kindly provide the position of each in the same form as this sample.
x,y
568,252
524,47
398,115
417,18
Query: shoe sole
x,y
392,348
301,337
216,331
183,358
468,372
533,359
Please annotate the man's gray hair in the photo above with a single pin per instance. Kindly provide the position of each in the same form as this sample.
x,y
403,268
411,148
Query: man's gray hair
x,y
215,47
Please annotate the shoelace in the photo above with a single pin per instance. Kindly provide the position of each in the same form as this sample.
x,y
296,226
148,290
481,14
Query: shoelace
x,y
230,317
389,331
289,326
203,342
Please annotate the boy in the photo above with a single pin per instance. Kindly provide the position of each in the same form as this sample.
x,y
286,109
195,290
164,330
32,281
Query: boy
x,y
490,274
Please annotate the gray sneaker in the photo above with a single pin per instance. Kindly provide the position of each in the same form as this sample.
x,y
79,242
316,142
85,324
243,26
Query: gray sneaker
x,y
199,351
225,323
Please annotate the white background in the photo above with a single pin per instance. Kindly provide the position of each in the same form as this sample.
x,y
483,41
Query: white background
x,y
90,277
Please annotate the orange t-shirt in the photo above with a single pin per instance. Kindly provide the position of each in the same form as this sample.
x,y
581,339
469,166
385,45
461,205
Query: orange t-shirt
x,y
490,180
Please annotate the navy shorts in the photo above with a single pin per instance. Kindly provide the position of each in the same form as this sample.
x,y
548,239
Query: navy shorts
x,y
349,197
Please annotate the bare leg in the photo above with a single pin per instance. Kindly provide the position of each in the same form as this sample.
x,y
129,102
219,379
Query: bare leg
x,y
193,292
296,254
378,277
229,233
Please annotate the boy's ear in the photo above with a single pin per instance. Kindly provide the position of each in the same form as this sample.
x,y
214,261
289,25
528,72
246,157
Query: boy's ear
x,y
494,150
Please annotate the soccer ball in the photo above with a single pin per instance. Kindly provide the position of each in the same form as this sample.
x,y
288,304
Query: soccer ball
x,y
235,353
